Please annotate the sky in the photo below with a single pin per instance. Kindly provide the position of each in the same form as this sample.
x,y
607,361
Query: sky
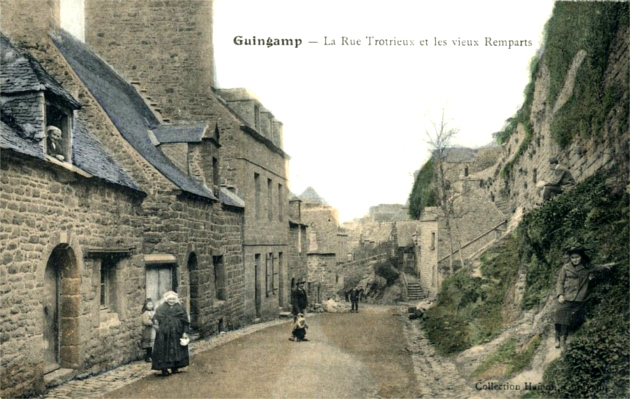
x,y
354,114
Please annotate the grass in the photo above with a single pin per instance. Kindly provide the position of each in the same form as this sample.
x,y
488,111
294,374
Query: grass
x,y
508,360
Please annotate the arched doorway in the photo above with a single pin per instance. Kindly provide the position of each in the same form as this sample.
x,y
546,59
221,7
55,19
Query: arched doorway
x,y
193,276
61,309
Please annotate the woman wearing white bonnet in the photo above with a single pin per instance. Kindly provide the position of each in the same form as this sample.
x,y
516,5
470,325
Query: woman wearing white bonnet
x,y
173,326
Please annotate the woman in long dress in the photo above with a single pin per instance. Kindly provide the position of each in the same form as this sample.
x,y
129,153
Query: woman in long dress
x,y
173,325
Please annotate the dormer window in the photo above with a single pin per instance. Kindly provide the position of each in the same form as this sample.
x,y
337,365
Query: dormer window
x,y
58,133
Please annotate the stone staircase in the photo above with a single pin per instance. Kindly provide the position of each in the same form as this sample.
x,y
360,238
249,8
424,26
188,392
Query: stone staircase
x,y
503,206
414,291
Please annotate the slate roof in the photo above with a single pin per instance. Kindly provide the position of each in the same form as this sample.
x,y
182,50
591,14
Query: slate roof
x,y
191,133
126,108
230,198
20,73
88,154
311,195
12,137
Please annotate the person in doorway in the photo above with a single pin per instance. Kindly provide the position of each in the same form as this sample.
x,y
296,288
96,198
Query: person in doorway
x,y
355,294
148,333
171,339
571,292
54,142
299,329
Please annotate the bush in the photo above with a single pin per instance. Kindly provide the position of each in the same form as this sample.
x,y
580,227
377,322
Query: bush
x,y
596,362
469,309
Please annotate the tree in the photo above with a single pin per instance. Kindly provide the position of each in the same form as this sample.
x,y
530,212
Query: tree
x,y
439,134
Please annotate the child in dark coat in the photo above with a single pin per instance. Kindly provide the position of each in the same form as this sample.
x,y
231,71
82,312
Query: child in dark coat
x,y
299,329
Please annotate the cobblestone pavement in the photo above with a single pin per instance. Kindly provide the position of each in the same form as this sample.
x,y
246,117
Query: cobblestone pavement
x,y
99,385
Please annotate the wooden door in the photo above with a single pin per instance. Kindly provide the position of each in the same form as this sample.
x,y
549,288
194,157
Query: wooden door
x,y
159,280
51,317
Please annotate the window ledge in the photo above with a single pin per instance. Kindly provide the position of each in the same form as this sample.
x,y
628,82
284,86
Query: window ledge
x,y
68,166
218,303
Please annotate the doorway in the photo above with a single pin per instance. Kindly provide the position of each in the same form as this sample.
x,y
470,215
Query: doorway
x,y
60,323
193,302
161,278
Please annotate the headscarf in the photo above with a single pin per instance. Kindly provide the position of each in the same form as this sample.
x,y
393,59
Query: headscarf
x,y
170,294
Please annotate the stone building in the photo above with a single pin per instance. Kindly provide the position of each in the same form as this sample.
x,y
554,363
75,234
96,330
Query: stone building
x,y
298,248
173,66
325,240
476,221
149,182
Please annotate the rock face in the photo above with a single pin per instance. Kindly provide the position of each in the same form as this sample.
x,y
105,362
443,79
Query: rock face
x,y
604,148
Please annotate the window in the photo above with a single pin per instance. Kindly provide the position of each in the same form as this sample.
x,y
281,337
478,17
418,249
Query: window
x,y
280,198
270,200
108,284
58,128
433,240
215,175
219,278
257,194
268,274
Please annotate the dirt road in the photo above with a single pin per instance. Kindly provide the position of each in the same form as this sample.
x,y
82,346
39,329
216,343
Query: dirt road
x,y
349,355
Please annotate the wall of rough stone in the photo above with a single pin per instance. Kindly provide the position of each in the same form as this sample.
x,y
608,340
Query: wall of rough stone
x,y
166,224
323,222
606,149
36,210
322,277
298,242
166,45
22,17
427,252
177,76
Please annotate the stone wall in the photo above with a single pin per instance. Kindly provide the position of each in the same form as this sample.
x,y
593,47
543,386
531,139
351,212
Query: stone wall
x,y
20,18
427,251
323,222
166,45
39,213
604,150
95,215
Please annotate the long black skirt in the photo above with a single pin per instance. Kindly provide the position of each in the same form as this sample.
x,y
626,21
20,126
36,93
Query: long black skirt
x,y
570,313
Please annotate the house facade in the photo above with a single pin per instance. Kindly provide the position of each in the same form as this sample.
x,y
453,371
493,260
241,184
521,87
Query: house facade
x,y
120,183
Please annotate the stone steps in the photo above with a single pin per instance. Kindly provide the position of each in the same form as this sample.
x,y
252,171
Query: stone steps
x,y
415,291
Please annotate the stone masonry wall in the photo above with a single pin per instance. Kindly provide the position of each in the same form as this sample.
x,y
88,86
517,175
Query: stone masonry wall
x,y
36,209
427,255
21,17
168,225
323,221
583,157
166,45
177,36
